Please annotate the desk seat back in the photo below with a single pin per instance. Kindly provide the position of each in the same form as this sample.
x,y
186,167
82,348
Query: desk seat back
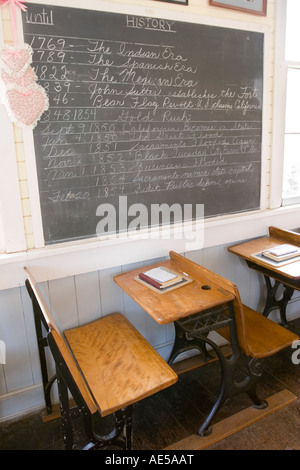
x,y
41,309
258,336
285,236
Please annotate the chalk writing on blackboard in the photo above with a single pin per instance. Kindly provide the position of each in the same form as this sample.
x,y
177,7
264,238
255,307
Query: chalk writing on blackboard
x,y
157,110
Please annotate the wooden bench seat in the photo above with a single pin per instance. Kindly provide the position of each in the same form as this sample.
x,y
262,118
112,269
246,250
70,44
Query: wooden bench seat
x,y
264,336
117,362
106,365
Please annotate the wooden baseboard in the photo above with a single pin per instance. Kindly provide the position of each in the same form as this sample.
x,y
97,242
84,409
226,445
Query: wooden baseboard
x,y
235,423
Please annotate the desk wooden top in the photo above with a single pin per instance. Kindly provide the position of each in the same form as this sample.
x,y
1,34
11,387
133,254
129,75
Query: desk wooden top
x,y
180,303
246,250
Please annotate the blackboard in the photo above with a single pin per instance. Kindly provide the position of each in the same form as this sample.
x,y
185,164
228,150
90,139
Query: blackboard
x,y
144,111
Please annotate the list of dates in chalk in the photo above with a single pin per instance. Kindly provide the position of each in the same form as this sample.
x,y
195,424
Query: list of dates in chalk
x,y
124,119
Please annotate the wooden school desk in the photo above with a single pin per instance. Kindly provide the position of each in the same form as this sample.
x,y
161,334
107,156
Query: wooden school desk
x,y
286,274
195,308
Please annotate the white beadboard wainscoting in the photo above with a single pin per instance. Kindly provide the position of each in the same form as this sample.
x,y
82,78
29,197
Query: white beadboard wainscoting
x,y
78,299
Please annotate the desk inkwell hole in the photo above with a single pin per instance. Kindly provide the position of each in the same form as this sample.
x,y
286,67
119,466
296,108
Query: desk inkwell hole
x,y
206,287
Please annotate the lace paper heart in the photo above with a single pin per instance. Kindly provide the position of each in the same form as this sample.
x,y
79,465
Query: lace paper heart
x,y
24,80
15,61
26,107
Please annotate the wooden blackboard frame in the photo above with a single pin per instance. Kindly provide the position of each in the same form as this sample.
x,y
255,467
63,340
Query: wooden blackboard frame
x,y
258,10
159,13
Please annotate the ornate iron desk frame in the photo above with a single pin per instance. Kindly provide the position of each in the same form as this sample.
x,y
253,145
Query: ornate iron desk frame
x,y
272,301
192,332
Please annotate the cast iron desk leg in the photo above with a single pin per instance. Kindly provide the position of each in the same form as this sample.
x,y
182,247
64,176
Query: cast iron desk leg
x,y
42,344
191,332
197,327
272,302
183,343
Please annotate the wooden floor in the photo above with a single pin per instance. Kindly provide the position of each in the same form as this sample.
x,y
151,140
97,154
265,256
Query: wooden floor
x,y
176,413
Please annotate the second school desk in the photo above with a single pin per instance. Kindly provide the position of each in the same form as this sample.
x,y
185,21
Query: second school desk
x,y
196,309
287,274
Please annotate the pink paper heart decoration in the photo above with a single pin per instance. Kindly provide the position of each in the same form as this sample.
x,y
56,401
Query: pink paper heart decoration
x,y
15,61
26,107
24,80
24,99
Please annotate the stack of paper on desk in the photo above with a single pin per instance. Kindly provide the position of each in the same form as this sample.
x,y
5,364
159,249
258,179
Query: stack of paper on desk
x,y
160,277
162,280
279,255
282,252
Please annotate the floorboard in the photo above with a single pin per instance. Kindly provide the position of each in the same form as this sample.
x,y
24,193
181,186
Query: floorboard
x,y
235,423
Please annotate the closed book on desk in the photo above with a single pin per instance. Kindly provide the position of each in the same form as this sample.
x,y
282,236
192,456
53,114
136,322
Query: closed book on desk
x,y
282,252
160,277
169,280
157,284
150,280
